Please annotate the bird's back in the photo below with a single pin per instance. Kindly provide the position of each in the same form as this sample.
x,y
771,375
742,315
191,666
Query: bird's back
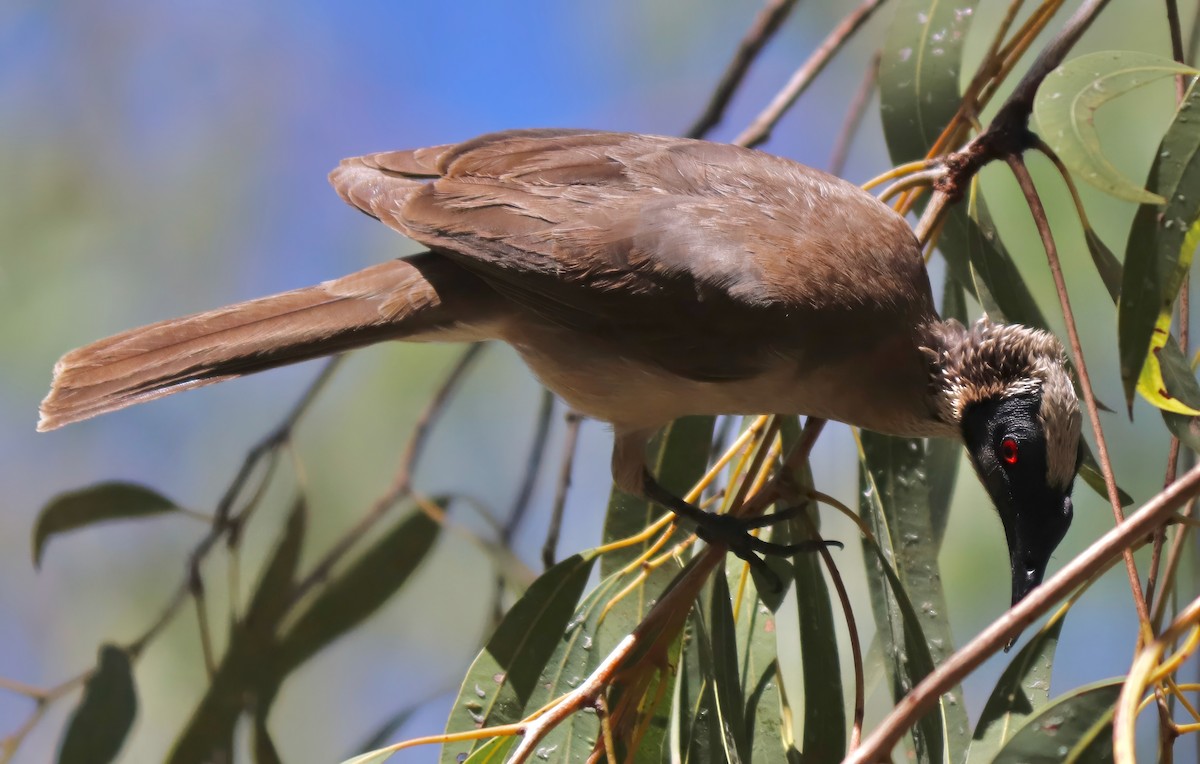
x,y
713,278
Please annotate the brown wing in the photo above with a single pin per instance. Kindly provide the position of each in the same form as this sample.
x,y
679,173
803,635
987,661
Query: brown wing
x,y
684,244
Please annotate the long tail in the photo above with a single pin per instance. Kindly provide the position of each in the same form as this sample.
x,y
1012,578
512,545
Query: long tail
x,y
421,297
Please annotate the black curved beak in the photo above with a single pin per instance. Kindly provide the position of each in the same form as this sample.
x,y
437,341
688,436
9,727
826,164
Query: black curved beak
x,y
1034,532
1026,574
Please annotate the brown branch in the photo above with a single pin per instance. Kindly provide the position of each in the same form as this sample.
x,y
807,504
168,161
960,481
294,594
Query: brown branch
x,y
854,116
1099,556
1043,225
571,440
760,129
765,25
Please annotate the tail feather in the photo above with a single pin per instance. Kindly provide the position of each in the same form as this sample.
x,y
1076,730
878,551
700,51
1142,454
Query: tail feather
x,y
420,297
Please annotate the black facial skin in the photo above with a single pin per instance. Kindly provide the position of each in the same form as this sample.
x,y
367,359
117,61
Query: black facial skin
x,y
1035,515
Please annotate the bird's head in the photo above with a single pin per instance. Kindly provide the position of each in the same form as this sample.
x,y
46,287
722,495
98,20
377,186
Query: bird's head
x,y
1007,389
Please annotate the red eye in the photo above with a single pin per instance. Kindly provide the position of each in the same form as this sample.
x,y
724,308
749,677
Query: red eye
x,y
1008,450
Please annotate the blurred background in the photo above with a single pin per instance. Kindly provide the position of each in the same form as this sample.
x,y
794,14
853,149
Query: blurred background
x,y
164,158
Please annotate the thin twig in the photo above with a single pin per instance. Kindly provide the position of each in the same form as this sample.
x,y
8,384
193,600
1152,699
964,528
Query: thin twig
x,y
520,507
1103,553
854,115
765,25
570,442
1043,225
402,483
420,432
760,129
1176,48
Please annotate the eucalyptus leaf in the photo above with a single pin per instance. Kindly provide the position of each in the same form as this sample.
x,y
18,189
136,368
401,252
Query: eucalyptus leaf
x,y
95,504
497,687
100,723
896,505
1156,259
1022,690
1075,727
1066,103
824,733
359,591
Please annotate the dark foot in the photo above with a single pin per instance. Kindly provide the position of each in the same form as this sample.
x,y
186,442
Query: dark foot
x,y
734,532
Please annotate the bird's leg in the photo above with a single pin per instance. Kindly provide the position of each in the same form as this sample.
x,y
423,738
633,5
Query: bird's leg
x,y
733,532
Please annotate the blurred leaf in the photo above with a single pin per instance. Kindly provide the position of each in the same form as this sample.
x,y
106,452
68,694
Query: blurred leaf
x,y
895,504
1090,472
978,259
360,590
370,757
1077,726
273,595
245,677
384,732
678,457
1066,104
100,723
95,504
264,748
1155,260
824,735
1022,690
497,687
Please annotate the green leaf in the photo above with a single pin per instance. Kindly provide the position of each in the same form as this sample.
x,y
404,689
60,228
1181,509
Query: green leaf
x,y
702,737
678,457
497,687
100,723
758,667
1023,689
896,505
273,595
824,733
359,591
494,751
725,679
1155,258
1066,104
95,504
1107,265
1076,727
245,676
919,73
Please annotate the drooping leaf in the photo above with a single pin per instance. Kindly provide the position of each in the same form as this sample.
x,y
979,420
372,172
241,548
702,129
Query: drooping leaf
x,y
1156,259
1023,689
758,668
1075,727
678,456
100,723
824,734
1107,265
95,504
360,590
245,677
497,688
919,73
726,682
896,506
1066,103
1152,383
